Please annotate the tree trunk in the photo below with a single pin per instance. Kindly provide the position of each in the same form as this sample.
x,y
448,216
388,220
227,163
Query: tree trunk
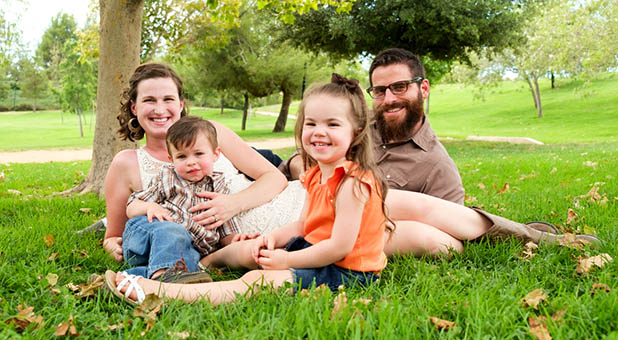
x,y
222,105
245,112
427,104
283,114
539,107
119,50
81,127
536,105
553,78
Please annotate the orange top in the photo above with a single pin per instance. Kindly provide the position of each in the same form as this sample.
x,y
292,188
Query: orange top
x,y
368,253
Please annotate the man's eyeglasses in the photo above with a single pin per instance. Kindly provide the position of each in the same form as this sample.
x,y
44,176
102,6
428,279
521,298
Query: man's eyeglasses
x,y
397,88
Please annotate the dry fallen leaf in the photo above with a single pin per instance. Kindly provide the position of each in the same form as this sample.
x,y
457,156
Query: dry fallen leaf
x,y
504,189
49,240
62,328
95,282
553,171
52,279
590,163
52,257
571,216
586,263
14,192
481,186
25,317
113,327
179,335
538,329
149,309
339,304
528,251
570,241
442,324
81,252
599,287
85,210
533,298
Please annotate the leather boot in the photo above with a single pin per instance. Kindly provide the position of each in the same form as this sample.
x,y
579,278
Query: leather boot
x,y
503,228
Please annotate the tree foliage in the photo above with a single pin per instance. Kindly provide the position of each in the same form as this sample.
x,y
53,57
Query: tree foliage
x,y
33,82
61,29
443,30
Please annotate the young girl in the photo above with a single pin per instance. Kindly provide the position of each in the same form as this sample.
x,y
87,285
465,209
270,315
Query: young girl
x,y
339,239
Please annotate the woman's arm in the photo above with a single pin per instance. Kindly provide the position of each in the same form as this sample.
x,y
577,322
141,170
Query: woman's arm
x,y
268,181
348,216
121,180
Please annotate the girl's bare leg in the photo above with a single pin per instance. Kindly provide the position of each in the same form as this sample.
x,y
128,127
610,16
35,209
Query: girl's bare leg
x,y
456,220
235,255
418,239
215,292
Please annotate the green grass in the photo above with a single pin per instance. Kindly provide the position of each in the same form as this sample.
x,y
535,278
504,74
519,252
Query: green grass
x,y
480,290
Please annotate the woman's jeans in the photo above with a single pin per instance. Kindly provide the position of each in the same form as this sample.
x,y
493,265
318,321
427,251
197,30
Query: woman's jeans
x,y
149,247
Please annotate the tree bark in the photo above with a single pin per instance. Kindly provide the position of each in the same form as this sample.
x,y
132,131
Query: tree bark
x,y
222,105
283,113
427,104
536,105
539,107
245,112
119,51
81,127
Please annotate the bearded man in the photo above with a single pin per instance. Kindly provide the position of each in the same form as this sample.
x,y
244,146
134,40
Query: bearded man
x,y
406,148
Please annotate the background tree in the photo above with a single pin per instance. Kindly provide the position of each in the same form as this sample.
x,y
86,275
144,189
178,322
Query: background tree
x,y
50,51
441,30
33,82
78,86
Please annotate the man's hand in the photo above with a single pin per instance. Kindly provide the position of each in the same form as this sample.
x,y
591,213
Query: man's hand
x,y
113,245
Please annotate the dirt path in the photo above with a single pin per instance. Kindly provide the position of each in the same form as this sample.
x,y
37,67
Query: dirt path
x,y
68,155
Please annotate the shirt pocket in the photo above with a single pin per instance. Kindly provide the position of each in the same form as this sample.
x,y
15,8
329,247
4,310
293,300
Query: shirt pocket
x,y
397,179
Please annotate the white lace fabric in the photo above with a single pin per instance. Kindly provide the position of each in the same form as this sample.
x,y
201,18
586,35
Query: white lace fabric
x,y
281,210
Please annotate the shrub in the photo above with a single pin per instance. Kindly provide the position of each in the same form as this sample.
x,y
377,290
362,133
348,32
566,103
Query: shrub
x,y
23,107
3,108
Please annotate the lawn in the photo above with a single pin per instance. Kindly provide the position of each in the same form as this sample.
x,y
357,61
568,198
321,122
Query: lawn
x,y
570,182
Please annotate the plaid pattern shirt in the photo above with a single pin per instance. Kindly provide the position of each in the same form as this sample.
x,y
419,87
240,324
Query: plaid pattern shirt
x,y
177,195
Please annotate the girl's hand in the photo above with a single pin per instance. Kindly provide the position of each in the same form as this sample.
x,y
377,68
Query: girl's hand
x,y
216,211
243,237
273,259
258,244
113,245
156,211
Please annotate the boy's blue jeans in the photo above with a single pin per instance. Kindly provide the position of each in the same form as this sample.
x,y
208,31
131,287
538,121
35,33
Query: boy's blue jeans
x,y
148,247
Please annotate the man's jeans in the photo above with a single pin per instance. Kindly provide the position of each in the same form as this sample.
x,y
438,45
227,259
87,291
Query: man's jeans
x,y
148,247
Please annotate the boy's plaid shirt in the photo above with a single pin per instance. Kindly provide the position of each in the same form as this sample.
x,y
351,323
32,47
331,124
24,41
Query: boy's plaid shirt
x,y
177,195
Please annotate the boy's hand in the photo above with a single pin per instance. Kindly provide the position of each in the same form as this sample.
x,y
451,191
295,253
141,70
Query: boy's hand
x,y
156,211
274,259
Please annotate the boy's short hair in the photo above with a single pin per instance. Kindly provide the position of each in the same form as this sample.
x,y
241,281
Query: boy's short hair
x,y
184,133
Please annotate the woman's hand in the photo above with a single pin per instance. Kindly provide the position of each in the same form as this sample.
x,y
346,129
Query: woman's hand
x,y
217,210
113,245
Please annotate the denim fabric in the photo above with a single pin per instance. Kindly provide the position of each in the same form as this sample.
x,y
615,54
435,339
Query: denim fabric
x,y
270,156
148,247
333,276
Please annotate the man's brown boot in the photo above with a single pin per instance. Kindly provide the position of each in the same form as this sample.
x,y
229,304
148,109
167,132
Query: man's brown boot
x,y
503,228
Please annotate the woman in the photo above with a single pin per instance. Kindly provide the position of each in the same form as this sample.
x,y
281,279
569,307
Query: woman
x,y
152,103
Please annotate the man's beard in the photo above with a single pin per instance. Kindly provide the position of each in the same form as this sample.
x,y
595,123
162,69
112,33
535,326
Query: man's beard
x,y
393,129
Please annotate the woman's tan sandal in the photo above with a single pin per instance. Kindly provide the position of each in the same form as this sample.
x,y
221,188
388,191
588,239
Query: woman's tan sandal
x,y
131,280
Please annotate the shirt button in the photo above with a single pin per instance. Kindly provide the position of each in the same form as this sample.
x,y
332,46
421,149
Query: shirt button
x,y
383,146
388,176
